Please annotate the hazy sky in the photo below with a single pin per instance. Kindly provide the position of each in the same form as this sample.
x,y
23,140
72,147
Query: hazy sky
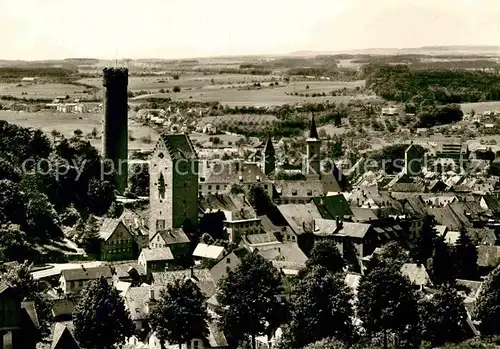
x,y
42,29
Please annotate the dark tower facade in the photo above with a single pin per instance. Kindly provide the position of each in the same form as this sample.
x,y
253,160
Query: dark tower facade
x,y
115,123
269,157
313,168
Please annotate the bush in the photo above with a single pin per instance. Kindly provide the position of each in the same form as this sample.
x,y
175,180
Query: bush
x,y
177,89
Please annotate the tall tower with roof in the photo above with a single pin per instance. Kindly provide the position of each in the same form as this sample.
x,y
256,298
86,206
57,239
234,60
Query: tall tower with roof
x,y
115,123
313,168
173,188
269,157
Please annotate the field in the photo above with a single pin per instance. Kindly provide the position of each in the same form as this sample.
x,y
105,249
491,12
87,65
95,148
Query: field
x,y
231,89
155,83
67,123
264,96
480,107
43,90
237,119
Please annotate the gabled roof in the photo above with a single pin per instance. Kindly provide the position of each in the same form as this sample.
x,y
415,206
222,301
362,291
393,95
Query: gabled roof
x,y
493,203
415,205
236,206
208,251
136,299
300,216
109,226
86,274
157,254
201,277
285,252
172,236
325,227
232,172
332,206
62,307
64,330
179,146
445,216
258,239
417,274
488,256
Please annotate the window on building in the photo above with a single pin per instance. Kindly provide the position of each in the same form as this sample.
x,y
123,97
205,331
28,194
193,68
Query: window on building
x,y
195,344
217,187
161,186
228,260
293,238
160,224
228,269
209,187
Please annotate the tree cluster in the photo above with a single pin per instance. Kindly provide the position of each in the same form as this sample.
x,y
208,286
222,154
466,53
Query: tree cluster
x,y
40,183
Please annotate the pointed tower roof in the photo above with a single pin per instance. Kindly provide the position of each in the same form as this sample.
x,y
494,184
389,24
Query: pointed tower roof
x,y
269,148
313,133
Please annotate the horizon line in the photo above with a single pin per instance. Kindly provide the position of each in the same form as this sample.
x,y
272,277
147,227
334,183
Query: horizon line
x,y
312,51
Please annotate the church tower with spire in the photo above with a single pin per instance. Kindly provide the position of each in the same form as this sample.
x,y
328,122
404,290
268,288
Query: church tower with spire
x,y
269,157
313,168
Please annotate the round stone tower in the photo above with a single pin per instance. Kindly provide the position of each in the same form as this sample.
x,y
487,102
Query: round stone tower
x,y
115,123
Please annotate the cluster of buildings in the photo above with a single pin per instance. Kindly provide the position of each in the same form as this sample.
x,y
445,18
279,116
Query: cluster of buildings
x,y
204,217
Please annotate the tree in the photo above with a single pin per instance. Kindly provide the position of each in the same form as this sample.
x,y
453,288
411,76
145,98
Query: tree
x,y
247,296
100,195
259,200
175,77
387,306
11,204
54,133
94,133
465,257
320,298
393,253
327,343
442,266
176,89
180,314
326,254
19,277
100,318
90,238
78,132
14,245
487,306
423,245
139,181
443,317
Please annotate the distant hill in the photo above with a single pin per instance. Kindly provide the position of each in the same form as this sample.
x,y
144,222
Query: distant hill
x,y
424,50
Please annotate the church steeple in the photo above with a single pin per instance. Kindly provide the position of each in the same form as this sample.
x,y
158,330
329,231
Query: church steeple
x,y
313,152
268,158
269,148
313,133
